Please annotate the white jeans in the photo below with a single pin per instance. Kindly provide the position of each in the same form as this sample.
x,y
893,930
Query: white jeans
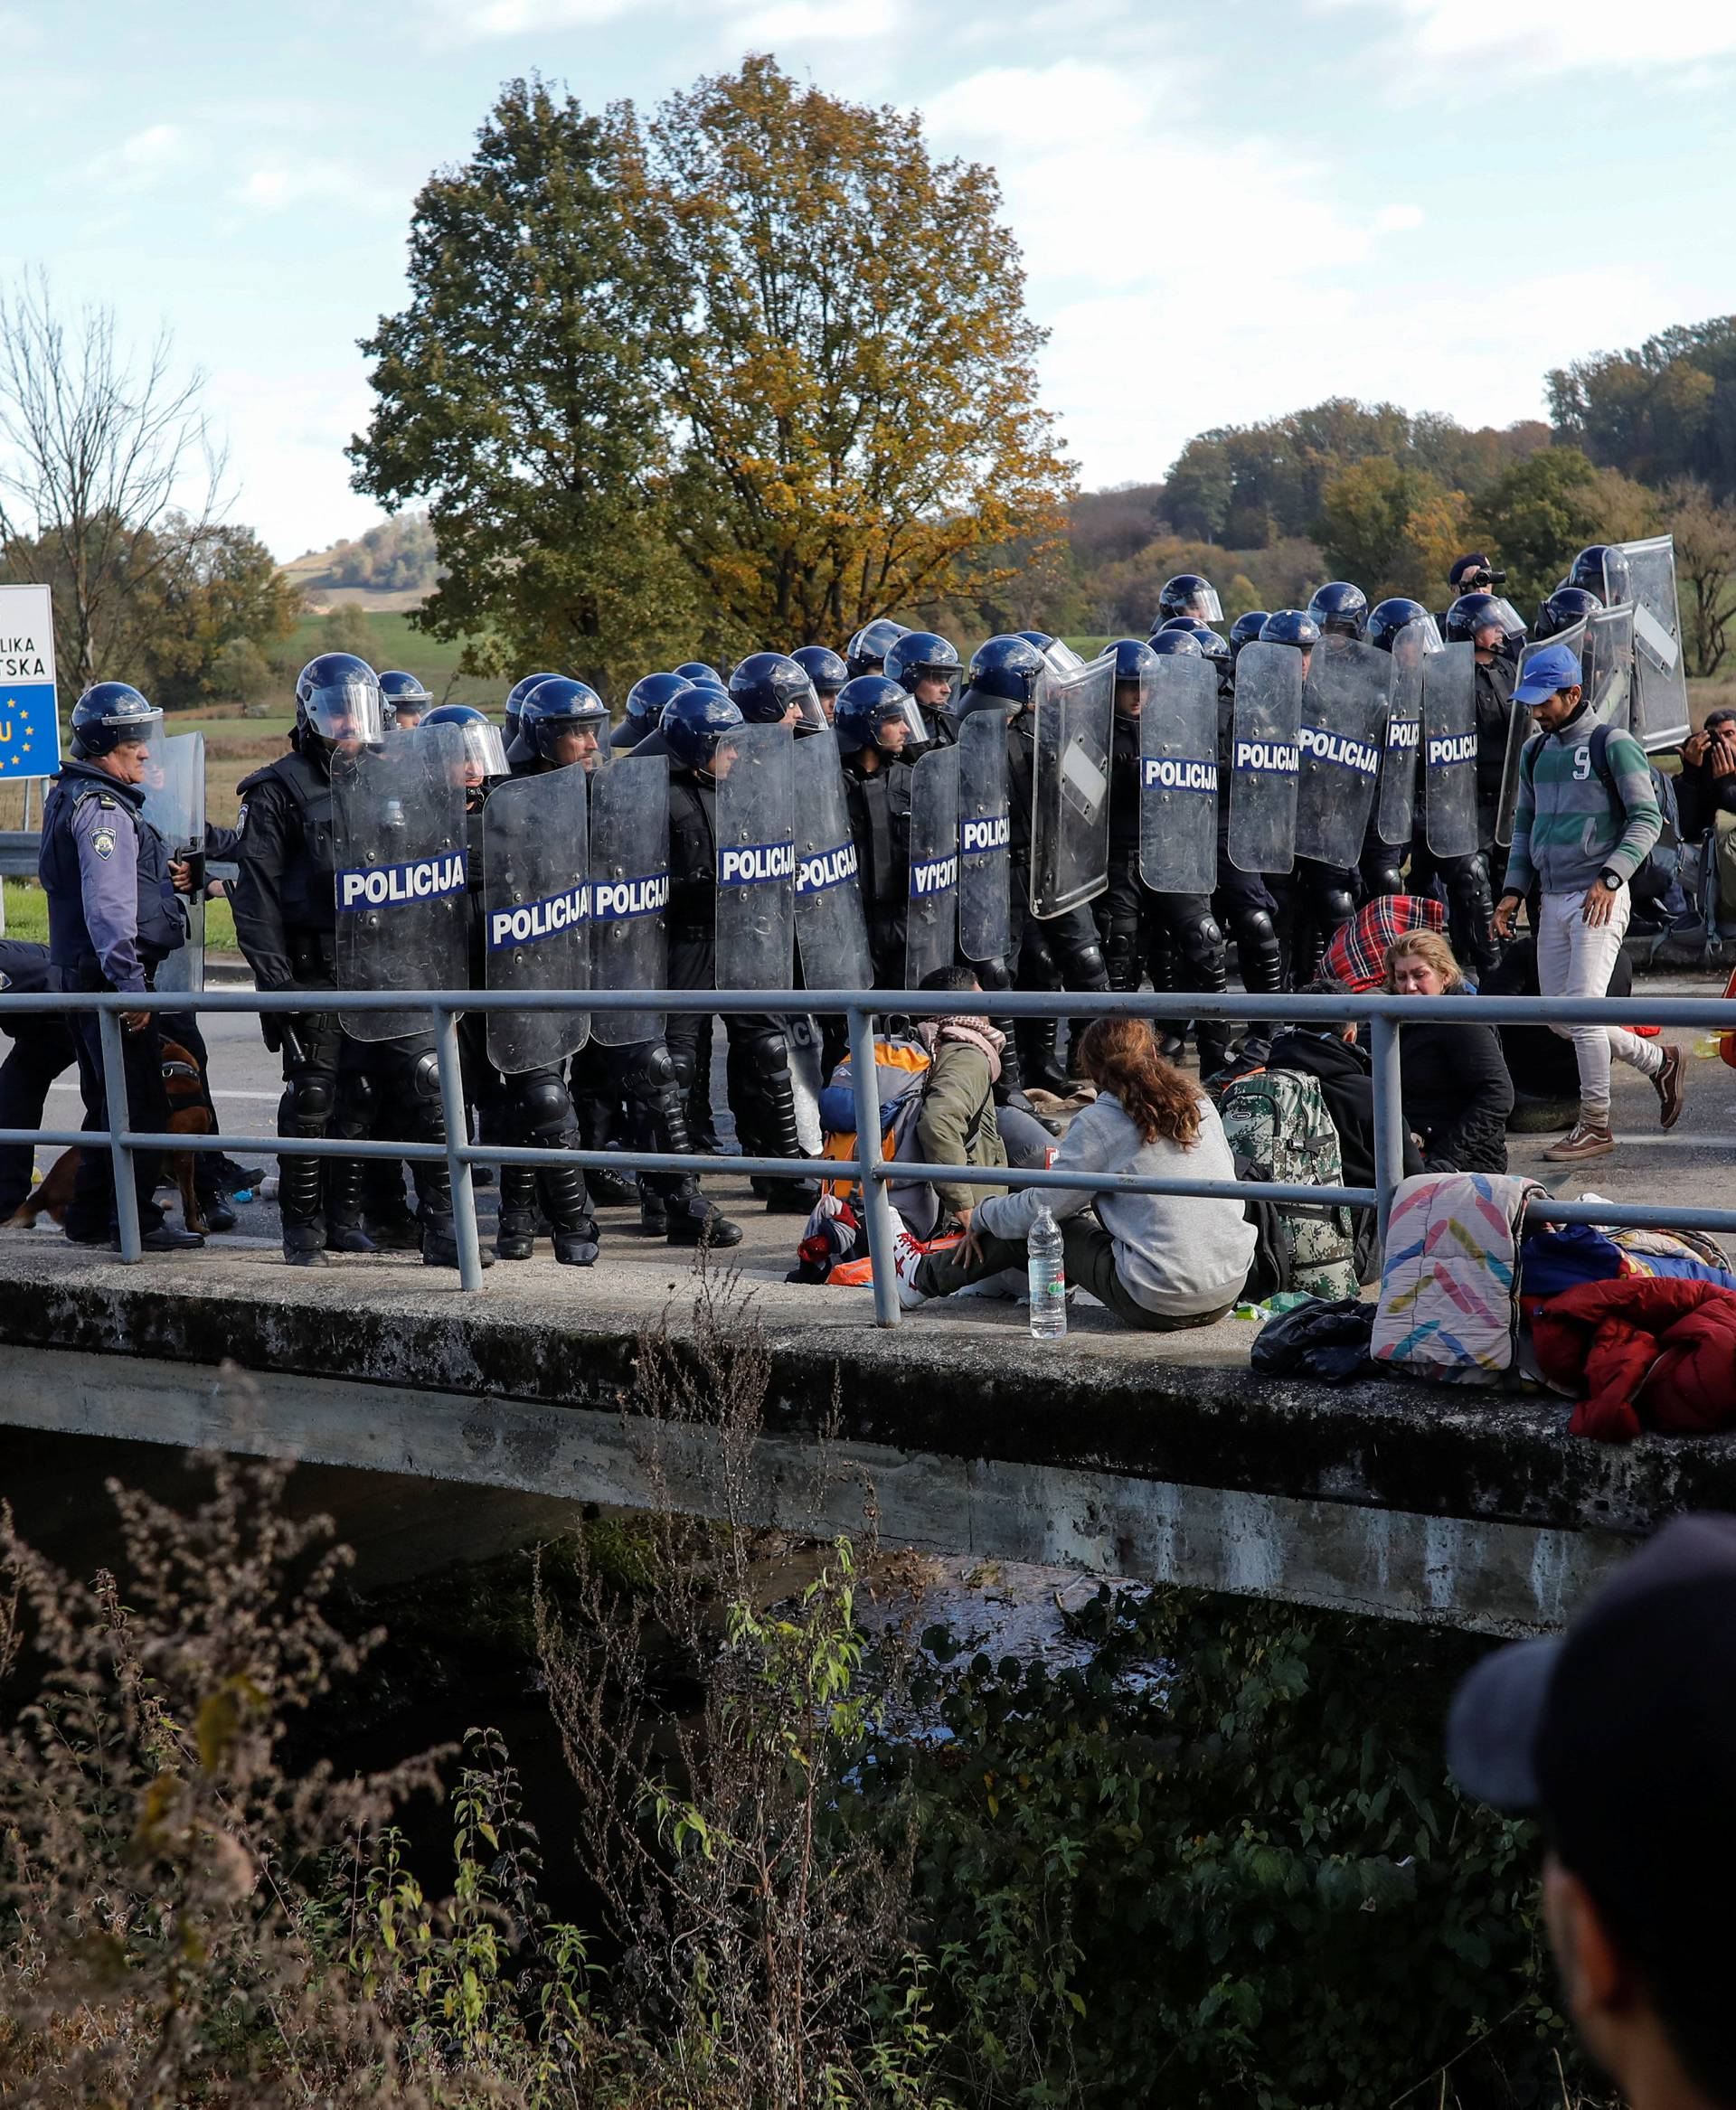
x,y
1574,958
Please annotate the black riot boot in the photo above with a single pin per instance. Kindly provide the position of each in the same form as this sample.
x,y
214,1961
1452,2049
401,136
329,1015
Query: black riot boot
x,y
516,1227
299,1196
343,1231
573,1227
1039,1065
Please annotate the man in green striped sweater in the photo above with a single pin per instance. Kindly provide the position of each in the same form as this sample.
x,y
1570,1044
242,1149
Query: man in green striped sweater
x,y
1586,821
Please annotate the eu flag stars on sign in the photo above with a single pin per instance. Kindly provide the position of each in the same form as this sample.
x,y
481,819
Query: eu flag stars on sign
x,y
30,730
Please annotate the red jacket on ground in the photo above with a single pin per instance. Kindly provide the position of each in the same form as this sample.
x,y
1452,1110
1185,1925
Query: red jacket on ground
x,y
1664,1345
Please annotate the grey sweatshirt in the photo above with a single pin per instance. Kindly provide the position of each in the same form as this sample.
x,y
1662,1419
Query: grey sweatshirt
x,y
1175,1254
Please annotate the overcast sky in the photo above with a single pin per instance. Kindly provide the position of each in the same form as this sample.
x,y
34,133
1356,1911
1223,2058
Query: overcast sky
x,y
1226,212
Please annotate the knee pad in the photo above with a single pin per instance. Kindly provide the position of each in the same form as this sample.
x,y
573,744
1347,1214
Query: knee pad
x,y
992,973
425,1078
1122,955
1200,943
543,1106
1333,906
1085,968
306,1104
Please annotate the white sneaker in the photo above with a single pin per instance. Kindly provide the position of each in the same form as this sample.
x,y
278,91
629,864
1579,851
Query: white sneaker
x,y
907,1258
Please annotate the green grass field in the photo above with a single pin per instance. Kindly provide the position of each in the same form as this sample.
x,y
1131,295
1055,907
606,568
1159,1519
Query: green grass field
x,y
27,917
397,645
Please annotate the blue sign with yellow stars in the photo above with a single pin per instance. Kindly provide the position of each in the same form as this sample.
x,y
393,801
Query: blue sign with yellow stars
x,y
30,724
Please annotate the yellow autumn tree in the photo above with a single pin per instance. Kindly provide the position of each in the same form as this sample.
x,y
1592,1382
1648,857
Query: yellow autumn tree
x,y
854,380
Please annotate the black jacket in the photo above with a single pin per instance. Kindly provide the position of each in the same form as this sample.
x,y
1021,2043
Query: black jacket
x,y
1700,799
1494,718
1458,1095
1347,1086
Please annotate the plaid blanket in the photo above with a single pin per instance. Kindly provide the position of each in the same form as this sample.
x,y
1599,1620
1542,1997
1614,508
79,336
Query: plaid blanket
x,y
1357,954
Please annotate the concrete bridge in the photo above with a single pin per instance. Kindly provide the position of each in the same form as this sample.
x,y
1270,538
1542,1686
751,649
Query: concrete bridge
x,y
1157,1458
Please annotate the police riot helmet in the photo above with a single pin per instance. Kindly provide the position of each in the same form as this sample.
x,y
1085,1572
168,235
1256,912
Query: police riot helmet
x,y
699,670
1040,638
874,711
402,692
1010,669
693,724
108,715
1603,569
822,666
484,752
559,706
515,701
1565,607
1339,608
1213,643
1473,612
866,651
643,707
1244,630
338,698
1188,594
1184,642
1386,618
1290,626
768,687
1133,658
920,654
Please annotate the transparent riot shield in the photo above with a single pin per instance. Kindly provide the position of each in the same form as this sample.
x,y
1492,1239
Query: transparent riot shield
x,y
984,836
1344,697
1396,802
1070,788
1607,657
175,805
931,912
1660,705
1265,758
399,832
536,913
630,891
756,858
1449,751
830,931
1178,776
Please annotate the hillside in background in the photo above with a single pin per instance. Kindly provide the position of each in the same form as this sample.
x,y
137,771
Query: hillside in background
x,y
390,569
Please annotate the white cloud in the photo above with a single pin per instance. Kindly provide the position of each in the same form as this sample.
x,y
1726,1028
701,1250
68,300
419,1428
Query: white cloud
x,y
1592,35
287,431
276,188
471,22
1398,219
141,158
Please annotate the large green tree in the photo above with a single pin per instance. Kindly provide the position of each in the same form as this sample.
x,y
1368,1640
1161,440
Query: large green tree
x,y
1391,527
1536,518
858,428
518,395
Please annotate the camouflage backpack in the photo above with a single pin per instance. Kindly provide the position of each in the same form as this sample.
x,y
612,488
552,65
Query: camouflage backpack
x,y
1279,1130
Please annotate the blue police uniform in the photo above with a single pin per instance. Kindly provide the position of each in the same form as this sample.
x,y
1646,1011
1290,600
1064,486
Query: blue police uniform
x,y
113,916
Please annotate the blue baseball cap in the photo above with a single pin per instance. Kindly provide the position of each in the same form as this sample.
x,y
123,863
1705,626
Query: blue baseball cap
x,y
1555,667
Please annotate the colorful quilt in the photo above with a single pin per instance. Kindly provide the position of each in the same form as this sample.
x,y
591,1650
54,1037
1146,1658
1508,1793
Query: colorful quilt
x,y
1448,1306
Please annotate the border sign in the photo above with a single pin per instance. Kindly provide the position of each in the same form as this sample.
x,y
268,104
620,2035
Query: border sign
x,y
30,725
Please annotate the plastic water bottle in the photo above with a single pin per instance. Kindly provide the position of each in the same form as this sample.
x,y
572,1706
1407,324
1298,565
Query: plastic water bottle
x,y
1048,1274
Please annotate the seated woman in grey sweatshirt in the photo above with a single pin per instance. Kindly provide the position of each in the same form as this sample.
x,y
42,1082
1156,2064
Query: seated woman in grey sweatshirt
x,y
1157,1261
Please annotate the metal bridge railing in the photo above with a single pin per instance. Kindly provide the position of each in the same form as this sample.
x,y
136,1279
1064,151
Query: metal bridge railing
x,y
1384,1014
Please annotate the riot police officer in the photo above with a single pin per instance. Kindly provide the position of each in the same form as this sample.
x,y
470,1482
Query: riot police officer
x,y
406,701
1321,896
521,688
1381,864
1242,900
769,688
926,665
1055,952
643,707
879,726
761,1091
113,917
826,669
866,651
1136,918
1188,594
286,923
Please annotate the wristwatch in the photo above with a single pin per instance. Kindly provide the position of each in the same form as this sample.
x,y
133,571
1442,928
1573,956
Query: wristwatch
x,y
1611,880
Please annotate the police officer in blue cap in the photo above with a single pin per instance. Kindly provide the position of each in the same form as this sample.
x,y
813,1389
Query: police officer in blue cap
x,y
113,917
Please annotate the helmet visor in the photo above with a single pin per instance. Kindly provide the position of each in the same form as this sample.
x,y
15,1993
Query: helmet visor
x,y
581,737
484,752
898,726
1202,602
1427,630
347,710
807,717
1063,660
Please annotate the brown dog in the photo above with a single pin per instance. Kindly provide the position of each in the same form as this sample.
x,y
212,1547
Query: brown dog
x,y
188,1116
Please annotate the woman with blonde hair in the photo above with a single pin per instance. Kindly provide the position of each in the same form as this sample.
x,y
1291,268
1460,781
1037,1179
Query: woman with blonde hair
x,y
1157,1261
1458,1094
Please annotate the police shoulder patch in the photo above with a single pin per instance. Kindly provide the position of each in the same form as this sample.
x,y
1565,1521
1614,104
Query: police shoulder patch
x,y
240,819
102,840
